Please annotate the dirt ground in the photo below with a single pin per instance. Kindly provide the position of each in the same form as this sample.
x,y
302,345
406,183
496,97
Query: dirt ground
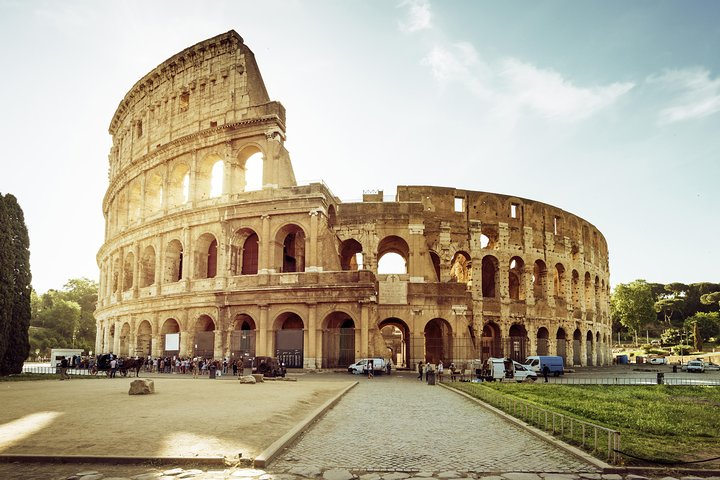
x,y
186,417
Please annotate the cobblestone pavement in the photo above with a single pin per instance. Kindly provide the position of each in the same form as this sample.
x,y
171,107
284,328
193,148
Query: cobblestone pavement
x,y
397,422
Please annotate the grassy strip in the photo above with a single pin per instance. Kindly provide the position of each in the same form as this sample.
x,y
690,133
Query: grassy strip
x,y
658,422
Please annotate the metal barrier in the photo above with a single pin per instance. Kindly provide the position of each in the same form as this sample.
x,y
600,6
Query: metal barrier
x,y
55,370
598,440
654,380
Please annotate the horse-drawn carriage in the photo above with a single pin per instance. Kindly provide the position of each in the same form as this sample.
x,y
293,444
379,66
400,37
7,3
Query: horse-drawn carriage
x,y
123,366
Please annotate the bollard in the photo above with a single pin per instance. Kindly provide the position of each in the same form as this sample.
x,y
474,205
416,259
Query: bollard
x,y
660,378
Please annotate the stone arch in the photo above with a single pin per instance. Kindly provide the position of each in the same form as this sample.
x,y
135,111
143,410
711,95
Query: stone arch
x,y
170,337
338,340
559,281
121,209
351,255
438,341
289,339
147,267
128,270
516,279
251,160
490,273
290,248
143,343
461,268
588,290
543,341
206,177
396,335
561,344
490,342
244,252
124,340
153,193
331,216
577,345
206,248
389,247
116,275
243,336
517,342
589,348
135,202
179,185
575,292
540,280
204,337
597,295
173,262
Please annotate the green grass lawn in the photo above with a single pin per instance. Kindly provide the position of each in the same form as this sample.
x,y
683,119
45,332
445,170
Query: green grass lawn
x,y
658,422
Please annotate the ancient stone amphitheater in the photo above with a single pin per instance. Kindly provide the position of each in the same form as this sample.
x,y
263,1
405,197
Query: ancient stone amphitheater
x,y
212,249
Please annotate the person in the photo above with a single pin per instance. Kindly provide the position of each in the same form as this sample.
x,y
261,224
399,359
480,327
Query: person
x,y
63,369
545,372
453,374
421,368
388,367
235,369
370,369
440,370
113,367
428,370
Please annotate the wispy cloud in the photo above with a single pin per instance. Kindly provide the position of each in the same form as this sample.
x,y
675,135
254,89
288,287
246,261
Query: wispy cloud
x,y
696,94
419,16
514,86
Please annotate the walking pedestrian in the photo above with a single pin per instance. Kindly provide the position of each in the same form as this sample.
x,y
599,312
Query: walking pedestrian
x,y
370,369
545,372
421,368
440,371
113,367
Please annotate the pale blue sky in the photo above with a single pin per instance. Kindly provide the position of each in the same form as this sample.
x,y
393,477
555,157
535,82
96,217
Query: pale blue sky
x,y
607,109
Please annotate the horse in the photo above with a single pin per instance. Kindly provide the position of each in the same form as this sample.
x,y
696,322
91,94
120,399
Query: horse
x,y
132,364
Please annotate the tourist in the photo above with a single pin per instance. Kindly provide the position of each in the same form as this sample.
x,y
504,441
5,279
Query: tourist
x,y
545,372
113,367
440,370
420,370
370,369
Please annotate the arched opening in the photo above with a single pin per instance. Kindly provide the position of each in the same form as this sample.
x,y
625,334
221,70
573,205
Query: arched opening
x,y
543,341
254,172
396,337
173,262
540,279
147,267
209,177
435,259
489,276
204,340
588,291
490,345
143,344
461,268
597,296
242,338
589,348
575,293
179,186
170,337
577,343
128,266
217,178
121,208
516,275
244,252
561,344
134,203
289,336
438,341
517,343
338,341
124,340
290,249
393,254
206,256
153,194
331,216
351,257
116,275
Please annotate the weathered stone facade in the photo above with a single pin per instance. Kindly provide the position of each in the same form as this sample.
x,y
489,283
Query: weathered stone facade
x,y
199,260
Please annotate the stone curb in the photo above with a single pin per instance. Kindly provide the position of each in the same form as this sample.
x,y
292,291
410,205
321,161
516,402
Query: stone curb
x,y
267,455
29,458
540,434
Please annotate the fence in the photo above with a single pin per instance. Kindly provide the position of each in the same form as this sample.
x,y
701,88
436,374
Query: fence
x,y
654,380
600,441
47,370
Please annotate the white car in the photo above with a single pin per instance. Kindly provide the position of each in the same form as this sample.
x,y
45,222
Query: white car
x,y
657,361
695,366
711,366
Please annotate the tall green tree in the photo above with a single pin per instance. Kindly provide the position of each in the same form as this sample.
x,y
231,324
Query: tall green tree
x,y
711,299
633,305
15,242
703,326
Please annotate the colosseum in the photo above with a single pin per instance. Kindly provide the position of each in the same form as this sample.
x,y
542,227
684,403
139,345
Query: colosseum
x,y
212,249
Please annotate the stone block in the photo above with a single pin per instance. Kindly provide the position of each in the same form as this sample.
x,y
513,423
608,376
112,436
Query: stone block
x,y
247,379
258,377
142,386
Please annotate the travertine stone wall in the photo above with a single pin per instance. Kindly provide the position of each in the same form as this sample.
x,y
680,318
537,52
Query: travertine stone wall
x,y
192,254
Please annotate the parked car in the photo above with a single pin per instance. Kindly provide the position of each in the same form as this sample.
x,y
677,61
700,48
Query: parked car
x,y
361,366
696,366
505,368
710,366
657,361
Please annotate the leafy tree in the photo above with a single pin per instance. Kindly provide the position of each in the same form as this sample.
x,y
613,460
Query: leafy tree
x,y
15,267
694,294
703,327
710,298
671,336
632,305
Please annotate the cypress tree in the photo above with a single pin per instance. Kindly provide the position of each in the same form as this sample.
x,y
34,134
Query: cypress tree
x,y
6,277
18,344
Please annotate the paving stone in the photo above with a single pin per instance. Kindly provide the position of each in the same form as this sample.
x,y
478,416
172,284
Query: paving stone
x,y
146,476
635,477
422,474
249,472
89,472
591,476
564,476
308,472
612,476
395,476
116,478
449,474
490,477
691,478
190,473
670,478
94,476
370,476
338,474
520,476
173,471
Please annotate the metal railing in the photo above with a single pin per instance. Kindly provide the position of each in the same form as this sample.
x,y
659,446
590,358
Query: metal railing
x,y
600,441
45,370
654,380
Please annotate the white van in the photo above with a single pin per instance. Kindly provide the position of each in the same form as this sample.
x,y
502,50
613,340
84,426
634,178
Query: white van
x,y
504,368
555,365
361,366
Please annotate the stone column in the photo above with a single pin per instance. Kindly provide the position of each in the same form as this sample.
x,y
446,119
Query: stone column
x,y
364,329
265,256
116,338
311,262
218,345
415,270
311,354
263,332
136,271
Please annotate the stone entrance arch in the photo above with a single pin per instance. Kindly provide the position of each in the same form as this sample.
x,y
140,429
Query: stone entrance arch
x,y
490,341
289,339
517,343
438,341
338,340
561,344
170,337
577,343
543,341
242,337
204,341
589,349
143,344
124,340
396,335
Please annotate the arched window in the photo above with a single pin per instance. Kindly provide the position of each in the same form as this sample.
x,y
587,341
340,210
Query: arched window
x,y
393,254
489,276
173,262
179,186
254,172
351,255
461,268
147,267
128,271
205,256
559,281
216,179
250,254
290,249
516,276
153,194
540,278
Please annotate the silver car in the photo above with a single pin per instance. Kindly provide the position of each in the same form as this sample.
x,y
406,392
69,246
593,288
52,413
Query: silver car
x,y
695,366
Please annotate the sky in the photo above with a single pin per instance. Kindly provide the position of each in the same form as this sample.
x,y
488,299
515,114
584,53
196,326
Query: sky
x,y
607,109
